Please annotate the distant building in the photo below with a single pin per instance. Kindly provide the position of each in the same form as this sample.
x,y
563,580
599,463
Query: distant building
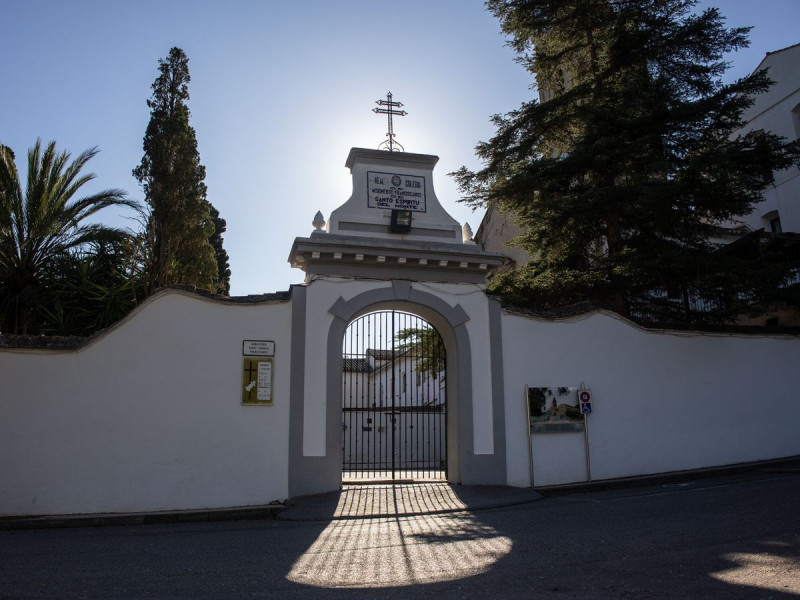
x,y
777,111
392,411
370,379
496,230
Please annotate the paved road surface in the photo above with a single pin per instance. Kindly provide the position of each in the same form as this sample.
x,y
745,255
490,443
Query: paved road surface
x,y
731,537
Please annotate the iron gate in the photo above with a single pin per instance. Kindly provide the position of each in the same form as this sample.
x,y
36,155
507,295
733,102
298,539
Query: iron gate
x,y
394,418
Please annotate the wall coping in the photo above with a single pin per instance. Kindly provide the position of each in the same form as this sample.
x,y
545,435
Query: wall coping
x,y
76,343
583,310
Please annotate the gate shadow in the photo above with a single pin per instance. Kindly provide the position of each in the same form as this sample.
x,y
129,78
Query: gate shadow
x,y
421,540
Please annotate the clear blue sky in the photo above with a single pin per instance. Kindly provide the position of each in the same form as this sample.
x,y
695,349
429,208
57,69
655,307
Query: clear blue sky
x,y
280,92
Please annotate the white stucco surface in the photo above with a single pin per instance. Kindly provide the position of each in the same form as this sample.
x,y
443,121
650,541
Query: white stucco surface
x,y
473,300
148,416
431,223
662,401
557,458
321,296
778,111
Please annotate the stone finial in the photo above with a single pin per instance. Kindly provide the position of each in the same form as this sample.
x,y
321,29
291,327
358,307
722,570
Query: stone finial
x,y
466,232
319,221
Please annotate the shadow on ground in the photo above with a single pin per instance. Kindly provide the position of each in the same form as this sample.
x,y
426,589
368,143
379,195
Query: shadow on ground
x,y
711,540
403,500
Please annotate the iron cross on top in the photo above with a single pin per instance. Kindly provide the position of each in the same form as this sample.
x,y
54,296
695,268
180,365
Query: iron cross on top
x,y
390,110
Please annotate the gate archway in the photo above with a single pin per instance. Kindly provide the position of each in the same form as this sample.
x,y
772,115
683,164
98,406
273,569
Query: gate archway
x,y
394,399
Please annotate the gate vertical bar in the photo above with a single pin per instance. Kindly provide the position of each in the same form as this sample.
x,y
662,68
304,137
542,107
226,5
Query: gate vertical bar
x,y
387,390
380,334
431,417
394,390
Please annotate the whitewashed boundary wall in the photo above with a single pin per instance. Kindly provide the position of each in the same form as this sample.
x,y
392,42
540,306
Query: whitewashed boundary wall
x,y
662,401
147,416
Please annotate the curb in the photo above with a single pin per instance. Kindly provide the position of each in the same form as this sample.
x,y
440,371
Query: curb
x,y
325,507
663,478
269,511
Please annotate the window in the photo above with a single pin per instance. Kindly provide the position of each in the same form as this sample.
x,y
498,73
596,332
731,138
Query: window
x,y
773,220
759,145
796,120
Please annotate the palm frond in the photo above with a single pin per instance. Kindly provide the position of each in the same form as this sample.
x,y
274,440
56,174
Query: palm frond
x,y
44,223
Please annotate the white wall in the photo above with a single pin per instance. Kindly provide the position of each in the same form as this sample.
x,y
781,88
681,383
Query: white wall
x,y
148,416
773,111
662,401
322,293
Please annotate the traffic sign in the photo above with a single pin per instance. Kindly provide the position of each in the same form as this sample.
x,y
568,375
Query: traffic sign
x,y
585,401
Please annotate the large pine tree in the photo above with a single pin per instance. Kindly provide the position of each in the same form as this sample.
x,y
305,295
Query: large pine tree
x,y
620,177
180,226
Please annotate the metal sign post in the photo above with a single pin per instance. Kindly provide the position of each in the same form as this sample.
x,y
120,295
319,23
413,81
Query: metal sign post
x,y
585,403
530,437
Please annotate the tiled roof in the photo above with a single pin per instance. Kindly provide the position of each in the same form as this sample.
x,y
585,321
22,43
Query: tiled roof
x,y
381,354
356,365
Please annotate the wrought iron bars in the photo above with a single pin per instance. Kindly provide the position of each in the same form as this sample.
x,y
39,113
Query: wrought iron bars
x,y
393,399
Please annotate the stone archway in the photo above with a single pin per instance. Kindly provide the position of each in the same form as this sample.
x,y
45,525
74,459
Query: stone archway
x,y
322,472
314,474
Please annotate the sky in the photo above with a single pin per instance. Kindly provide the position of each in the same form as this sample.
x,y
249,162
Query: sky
x,y
280,92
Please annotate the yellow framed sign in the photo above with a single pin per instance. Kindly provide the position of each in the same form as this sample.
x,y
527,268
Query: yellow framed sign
x,y
257,372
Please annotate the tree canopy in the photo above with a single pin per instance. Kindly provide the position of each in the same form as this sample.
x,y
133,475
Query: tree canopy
x,y
620,177
425,345
223,282
180,223
44,225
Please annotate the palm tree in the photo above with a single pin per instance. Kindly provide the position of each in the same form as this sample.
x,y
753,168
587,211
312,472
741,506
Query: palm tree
x,y
43,224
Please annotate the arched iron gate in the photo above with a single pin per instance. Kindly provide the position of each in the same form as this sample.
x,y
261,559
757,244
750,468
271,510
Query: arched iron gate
x,y
394,418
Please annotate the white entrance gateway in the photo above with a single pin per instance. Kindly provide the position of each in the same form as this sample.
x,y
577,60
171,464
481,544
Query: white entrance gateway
x,y
393,246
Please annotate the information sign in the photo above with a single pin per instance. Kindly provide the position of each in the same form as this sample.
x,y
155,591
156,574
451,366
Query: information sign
x,y
257,372
257,381
258,348
395,191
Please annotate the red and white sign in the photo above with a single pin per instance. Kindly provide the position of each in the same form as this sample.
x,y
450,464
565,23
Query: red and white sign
x,y
585,401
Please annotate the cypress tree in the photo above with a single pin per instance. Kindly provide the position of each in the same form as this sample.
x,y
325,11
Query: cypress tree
x,y
620,177
223,283
180,224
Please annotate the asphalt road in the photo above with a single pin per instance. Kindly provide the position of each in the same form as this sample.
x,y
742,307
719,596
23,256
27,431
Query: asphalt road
x,y
730,537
